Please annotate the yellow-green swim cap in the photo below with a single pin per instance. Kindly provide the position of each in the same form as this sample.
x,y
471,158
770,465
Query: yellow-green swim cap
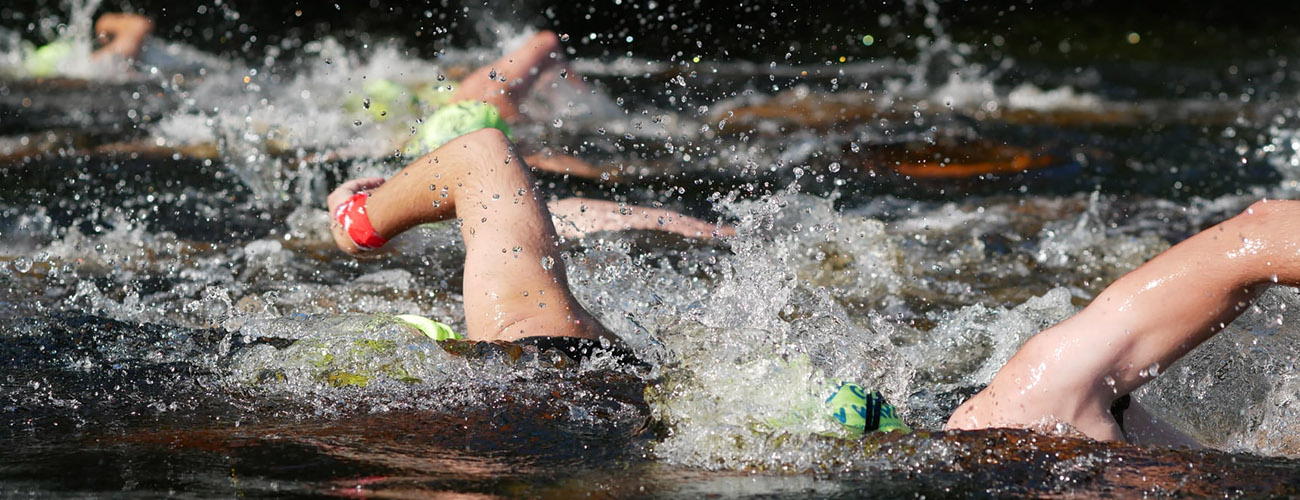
x,y
430,328
453,121
380,98
45,60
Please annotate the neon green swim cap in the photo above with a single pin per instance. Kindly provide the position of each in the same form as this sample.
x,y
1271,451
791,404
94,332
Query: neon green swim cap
x,y
430,328
45,60
453,121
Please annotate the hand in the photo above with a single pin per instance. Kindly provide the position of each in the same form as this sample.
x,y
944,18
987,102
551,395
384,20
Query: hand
x,y
340,195
350,188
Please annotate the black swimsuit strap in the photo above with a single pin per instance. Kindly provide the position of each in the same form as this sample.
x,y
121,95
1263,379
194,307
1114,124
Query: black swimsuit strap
x,y
1118,407
580,349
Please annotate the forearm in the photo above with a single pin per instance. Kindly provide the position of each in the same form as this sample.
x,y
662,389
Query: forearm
x,y
124,34
1154,315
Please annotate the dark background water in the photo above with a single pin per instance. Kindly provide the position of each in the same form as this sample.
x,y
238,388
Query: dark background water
x,y
1195,51
758,30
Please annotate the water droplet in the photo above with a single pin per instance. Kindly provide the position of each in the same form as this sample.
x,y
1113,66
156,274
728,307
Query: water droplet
x,y
357,123
548,263
366,103
492,74
22,264
558,123
442,77
834,167
564,37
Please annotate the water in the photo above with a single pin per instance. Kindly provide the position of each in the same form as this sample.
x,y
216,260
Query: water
x,y
179,320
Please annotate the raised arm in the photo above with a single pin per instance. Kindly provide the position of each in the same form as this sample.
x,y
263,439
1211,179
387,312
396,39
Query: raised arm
x,y
121,34
515,281
1140,325
505,82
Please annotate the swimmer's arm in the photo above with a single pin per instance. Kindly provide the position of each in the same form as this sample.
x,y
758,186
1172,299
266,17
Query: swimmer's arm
x,y
122,34
1168,306
1149,318
577,217
550,161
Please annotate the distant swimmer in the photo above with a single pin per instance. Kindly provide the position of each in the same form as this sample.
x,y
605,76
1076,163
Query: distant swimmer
x,y
491,96
126,48
1081,372
121,37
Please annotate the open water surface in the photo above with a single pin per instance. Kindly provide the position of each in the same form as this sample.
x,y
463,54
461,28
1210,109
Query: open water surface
x,y
178,322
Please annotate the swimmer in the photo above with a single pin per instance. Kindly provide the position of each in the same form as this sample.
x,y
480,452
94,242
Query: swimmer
x,y
121,36
515,288
1080,372
490,97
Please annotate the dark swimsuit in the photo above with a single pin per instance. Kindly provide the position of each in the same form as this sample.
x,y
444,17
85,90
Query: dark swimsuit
x,y
580,350
1118,407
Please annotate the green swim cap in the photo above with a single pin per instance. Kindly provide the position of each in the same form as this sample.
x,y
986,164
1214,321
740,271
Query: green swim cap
x,y
380,98
434,95
453,121
430,328
860,411
45,60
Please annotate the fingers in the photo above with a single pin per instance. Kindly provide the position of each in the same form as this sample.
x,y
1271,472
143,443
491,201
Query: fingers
x,y
349,188
362,184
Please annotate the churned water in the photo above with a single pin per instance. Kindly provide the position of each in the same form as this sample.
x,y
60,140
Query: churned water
x,y
178,322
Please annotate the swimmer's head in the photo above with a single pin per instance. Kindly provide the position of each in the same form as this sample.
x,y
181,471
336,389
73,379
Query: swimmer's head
x,y
381,98
861,411
452,121
434,95
45,61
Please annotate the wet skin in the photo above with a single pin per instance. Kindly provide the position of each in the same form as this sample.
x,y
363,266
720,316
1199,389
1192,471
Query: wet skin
x,y
1071,373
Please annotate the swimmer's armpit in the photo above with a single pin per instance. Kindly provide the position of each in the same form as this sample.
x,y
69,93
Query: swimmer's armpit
x,y
578,217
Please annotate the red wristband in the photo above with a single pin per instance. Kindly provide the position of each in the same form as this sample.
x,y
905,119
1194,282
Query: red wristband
x,y
352,215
